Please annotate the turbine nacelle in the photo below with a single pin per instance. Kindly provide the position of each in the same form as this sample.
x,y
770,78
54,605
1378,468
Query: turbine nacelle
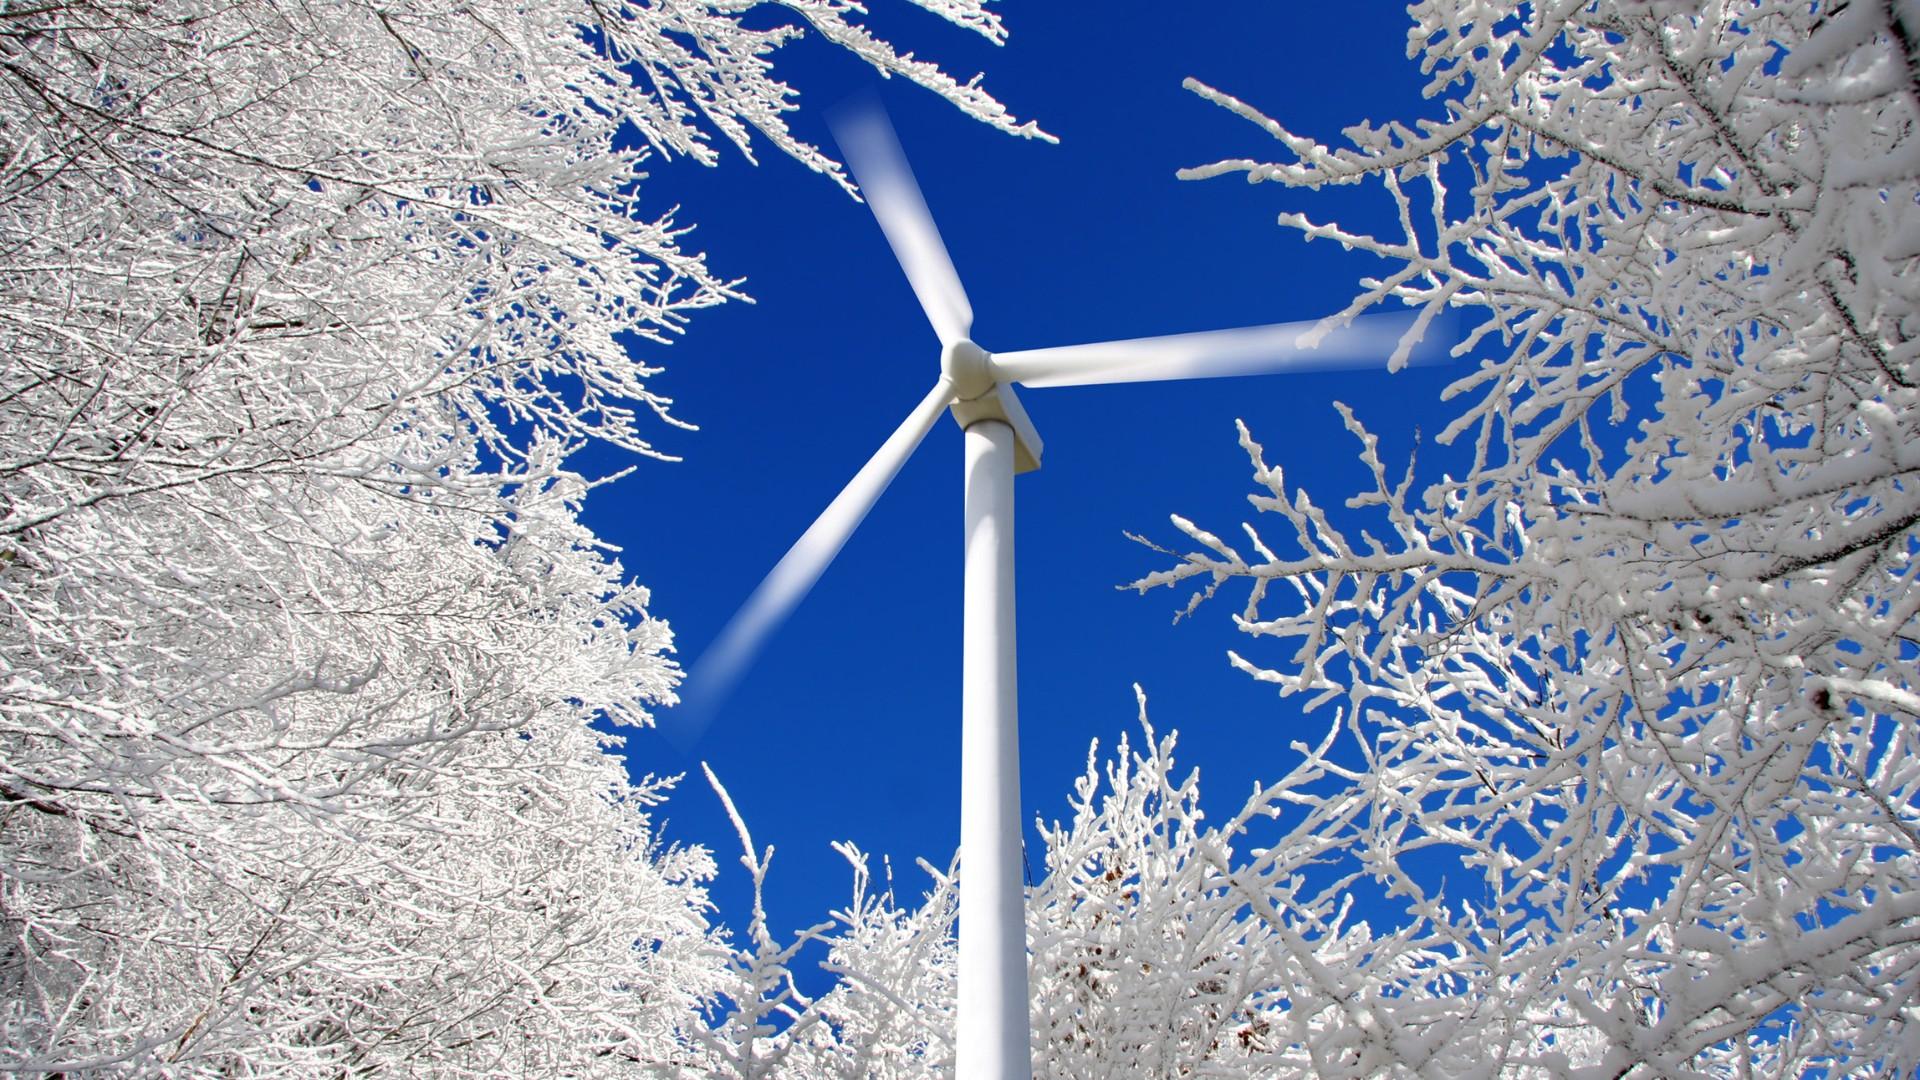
x,y
1000,403
978,395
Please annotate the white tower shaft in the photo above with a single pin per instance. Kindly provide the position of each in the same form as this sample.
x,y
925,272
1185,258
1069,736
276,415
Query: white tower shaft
x,y
992,1023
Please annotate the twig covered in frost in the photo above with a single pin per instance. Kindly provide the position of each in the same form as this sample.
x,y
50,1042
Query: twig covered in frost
x,y
306,307
1654,686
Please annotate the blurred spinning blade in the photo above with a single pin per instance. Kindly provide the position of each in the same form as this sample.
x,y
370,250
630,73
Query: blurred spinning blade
x,y
880,168
1252,350
720,668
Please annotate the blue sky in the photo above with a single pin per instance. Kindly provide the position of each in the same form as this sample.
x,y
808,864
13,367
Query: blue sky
x,y
847,727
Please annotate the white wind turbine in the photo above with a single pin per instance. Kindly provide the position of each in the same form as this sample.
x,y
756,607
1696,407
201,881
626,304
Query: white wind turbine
x,y
977,388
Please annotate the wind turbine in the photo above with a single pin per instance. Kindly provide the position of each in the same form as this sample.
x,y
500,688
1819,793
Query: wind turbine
x,y
976,388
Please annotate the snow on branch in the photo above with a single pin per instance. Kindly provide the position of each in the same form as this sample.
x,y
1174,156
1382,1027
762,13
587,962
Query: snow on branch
x,y
1648,663
309,660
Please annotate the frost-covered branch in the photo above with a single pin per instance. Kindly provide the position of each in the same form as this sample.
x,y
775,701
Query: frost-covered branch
x,y
1647,664
306,307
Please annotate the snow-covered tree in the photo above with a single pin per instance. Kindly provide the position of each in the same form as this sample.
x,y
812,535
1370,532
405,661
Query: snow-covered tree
x,y
1160,948
1621,773
1646,667
305,307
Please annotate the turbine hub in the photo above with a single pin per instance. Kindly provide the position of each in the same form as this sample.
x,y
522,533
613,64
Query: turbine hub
x,y
969,367
979,395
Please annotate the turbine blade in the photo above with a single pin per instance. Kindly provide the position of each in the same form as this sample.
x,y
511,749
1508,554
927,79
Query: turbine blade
x,y
880,167
1251,350
716,672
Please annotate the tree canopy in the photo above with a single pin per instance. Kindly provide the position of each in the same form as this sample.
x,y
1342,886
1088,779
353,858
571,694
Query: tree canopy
x,y
1646,669
306,307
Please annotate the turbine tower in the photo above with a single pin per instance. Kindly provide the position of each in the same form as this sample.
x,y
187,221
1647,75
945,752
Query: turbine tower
x,y
976,388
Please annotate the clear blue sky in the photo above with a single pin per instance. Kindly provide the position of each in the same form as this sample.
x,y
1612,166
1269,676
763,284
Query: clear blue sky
x,y
847,728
